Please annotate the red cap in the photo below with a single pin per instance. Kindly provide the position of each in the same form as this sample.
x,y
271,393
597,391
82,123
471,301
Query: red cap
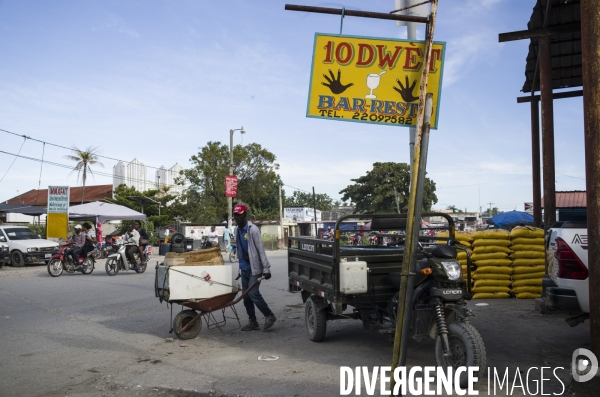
x,y
239,209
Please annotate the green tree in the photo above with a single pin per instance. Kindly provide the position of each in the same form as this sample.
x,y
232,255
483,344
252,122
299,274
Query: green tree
x,y
257,182
491,212
84,159
454,209
385,188
302,199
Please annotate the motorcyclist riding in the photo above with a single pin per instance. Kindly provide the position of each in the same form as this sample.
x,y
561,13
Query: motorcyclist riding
x,y
90,241
77,240
132,240
143,241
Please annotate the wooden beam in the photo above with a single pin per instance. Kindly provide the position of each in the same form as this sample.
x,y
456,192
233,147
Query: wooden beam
x,y
556,95
539,32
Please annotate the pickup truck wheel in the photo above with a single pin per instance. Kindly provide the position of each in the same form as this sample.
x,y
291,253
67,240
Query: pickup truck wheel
x,y
16,259
466,349
316,321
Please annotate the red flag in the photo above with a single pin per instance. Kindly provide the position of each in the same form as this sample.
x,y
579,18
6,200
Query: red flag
x,y
231,185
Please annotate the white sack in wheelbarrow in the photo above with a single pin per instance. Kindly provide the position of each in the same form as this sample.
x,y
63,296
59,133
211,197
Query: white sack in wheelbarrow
x,y
183,287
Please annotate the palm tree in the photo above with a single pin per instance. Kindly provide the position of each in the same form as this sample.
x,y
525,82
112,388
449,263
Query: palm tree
x,y
84,159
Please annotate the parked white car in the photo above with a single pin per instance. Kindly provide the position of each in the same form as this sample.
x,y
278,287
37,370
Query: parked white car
x,y
25,246
3,255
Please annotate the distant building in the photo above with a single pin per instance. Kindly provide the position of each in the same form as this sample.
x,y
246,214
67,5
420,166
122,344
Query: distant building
x,y
462,220
135,174
168,177
571,205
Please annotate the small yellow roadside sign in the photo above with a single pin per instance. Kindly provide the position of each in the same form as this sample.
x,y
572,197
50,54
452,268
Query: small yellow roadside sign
x,y
57,222
372,80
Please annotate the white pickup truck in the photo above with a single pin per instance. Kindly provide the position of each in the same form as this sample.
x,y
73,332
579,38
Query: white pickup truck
x,y
3,255
567,258
25,246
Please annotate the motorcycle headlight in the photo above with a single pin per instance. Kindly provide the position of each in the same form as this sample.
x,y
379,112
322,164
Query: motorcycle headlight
x,y
453,270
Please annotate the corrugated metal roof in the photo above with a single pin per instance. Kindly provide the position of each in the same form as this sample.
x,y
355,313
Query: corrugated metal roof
x,y
574,199
40,197
565,48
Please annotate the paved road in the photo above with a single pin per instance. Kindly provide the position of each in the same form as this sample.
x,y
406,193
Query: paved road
x,y
106,336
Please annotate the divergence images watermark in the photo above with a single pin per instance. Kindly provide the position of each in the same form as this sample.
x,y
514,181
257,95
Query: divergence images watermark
x,y
432,381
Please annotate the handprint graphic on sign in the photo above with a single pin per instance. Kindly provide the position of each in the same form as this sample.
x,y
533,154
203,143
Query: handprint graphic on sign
x,y
334,84
405,91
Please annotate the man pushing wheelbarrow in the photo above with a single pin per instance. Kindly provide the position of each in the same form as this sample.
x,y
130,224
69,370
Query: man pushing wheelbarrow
x,y
253,264
201,282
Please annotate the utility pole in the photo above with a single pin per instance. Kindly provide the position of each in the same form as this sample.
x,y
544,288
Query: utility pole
x,y
411,34
281,234
315,210
490,214
230,199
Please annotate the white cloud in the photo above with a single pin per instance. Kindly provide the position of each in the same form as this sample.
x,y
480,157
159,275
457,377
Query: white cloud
x,y
463,52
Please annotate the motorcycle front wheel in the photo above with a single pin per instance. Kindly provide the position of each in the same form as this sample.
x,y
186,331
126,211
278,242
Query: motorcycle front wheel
x,y
112,266
466,349
233,256
55,267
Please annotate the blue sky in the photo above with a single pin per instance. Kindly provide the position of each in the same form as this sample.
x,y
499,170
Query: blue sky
x,y
156,80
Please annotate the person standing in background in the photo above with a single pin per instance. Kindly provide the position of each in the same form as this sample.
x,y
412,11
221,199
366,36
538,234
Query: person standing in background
x,y
227,239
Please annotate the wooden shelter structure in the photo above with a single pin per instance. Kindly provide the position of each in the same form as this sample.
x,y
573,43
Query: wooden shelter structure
x,y
563,54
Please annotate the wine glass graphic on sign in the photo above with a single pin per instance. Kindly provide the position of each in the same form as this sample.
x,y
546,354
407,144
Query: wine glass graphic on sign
x,y
373,80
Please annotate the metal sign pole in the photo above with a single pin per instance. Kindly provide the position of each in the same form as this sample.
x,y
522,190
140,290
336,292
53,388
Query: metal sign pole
x,y
414,207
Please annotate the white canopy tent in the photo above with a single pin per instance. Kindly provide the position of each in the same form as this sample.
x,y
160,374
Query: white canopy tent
x,y
102,212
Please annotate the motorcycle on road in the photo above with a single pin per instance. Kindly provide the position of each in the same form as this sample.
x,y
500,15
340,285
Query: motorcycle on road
x,y
61,262
118,261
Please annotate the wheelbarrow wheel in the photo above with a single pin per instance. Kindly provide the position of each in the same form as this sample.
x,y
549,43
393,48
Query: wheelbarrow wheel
x,y
182,319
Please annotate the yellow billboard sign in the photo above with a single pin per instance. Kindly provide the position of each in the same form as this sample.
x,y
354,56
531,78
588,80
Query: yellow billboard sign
x,y
57,222
372,80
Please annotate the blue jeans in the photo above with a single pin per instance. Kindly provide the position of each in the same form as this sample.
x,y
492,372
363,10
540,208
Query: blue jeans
x,y
74,254
254,297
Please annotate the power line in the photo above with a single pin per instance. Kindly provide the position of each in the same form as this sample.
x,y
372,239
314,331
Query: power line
x,y
11,164
569,176
484,183
41,167
95,172
295,188
71,149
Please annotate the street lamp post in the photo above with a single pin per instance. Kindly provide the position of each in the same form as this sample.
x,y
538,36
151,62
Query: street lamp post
x,y
230,199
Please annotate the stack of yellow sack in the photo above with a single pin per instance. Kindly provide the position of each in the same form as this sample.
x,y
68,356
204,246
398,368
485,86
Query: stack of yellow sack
x,y
528,261
491,257
465,241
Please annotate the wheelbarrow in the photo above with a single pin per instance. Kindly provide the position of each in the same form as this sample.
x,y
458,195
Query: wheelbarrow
x,y
188,323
